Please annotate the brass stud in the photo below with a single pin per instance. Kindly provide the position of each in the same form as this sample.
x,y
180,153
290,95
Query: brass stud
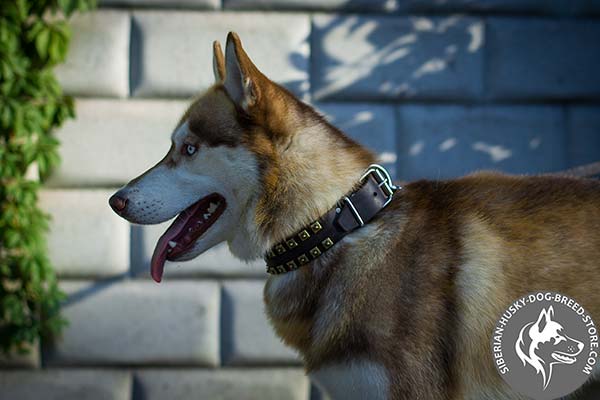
x,y
275,270
304,235
315,252
291,243
303,259
280,269
327,243
291,264
316,226
280,249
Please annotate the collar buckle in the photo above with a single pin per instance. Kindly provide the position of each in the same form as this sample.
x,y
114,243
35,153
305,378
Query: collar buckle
x,y
383,179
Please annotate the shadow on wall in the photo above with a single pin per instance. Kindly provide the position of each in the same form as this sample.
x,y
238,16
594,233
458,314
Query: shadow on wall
x,y
424,60
446,141
300,87
390,58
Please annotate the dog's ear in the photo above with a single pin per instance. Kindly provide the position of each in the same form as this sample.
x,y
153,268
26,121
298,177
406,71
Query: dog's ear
x,y
543,319
241,75
218,62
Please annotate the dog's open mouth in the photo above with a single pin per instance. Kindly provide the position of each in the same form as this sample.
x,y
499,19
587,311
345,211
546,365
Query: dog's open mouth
x,y
563,358
189,225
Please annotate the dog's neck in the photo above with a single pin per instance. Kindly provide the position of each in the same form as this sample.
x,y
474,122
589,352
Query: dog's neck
x,y
313,169
310,171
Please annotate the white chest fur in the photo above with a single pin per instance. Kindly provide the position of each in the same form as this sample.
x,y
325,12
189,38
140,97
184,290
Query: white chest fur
x,y
355,380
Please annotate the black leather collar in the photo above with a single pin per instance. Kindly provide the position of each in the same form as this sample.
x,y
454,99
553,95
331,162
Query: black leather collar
x,y
351,212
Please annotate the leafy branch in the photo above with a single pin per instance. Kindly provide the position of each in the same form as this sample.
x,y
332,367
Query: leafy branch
x,y
34,37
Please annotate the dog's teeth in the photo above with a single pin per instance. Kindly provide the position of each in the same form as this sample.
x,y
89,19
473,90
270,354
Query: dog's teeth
x,y
172,244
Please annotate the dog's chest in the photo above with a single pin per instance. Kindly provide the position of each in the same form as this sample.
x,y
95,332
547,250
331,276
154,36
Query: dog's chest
x,y
319,305
287,298
316,311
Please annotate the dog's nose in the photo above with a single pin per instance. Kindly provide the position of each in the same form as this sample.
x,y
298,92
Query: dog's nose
x,y
117,203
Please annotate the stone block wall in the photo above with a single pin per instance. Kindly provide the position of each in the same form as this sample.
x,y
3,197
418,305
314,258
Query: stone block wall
x,y
436,88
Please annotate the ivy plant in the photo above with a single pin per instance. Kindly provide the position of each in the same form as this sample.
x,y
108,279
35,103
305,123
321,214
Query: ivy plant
x,y
34,37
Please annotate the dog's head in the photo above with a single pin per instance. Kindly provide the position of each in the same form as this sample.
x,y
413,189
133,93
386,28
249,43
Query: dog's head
x,y
224,172
544,343
208,175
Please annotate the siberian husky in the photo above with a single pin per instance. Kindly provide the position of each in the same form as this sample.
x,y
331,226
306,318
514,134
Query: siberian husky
x,y
403,306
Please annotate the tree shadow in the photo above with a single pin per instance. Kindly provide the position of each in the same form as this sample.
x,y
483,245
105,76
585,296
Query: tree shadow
x,y
394,58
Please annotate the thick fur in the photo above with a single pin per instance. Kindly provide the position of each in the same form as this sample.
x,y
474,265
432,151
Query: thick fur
x,y
404,307
420,293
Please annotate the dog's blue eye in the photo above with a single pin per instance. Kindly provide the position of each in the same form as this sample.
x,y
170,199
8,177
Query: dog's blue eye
x,y
190,149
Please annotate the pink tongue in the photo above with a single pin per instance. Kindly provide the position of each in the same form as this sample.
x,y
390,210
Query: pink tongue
x,y
157,264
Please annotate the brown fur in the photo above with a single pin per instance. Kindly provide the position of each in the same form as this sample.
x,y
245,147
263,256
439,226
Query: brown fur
x,y
537,233
418,289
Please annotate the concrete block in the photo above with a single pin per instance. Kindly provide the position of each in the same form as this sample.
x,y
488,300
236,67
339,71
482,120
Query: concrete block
x,y
447,141
555,7
139,323
87,239
371,125
215,262
224,384
187,4
67,384
583,134
543,58
113,141
320,5
174,49
248,339
384,58
98,59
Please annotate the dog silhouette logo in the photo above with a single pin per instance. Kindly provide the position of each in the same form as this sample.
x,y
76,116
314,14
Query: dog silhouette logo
x,y
544,343
545,346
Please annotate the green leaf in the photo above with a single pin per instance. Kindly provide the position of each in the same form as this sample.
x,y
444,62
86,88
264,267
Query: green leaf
x,y
5,115
23,7
68,6
35,30
41,43
55,52
18,122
